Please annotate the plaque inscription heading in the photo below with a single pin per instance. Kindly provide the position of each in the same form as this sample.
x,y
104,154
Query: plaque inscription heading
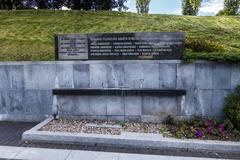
x,y
145,45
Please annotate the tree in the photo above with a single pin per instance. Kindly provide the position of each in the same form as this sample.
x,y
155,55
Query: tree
x,y
97,4
11,4
191,7
142,6
231,7
120,5
57,4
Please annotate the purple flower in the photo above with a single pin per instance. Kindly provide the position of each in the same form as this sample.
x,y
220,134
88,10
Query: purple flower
x,y
199,133
221,128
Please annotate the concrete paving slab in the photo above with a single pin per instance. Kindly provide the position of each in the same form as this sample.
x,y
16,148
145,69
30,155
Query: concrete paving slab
x,y
89,155
42,154
9,152
18,153
154,157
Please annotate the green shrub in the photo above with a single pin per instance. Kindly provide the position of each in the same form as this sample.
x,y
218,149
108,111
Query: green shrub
x,y
169,120
232,108
190,56
228,125
203,45
197,121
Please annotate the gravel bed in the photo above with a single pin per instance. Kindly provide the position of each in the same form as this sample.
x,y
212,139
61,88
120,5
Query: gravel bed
x,y
79,126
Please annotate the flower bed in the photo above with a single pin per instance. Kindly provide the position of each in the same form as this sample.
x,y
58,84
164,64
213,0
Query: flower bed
x,y
207,129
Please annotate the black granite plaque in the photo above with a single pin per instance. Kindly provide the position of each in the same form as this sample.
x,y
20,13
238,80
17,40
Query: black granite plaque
x,y
146,45
71,47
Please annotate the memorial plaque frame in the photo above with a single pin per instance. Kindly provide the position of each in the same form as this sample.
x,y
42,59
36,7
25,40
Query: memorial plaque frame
x,y
125,46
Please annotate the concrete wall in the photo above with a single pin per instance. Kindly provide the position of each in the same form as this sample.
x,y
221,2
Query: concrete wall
x,y
25,89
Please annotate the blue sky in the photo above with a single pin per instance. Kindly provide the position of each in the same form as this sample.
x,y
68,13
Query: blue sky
x,y
208,8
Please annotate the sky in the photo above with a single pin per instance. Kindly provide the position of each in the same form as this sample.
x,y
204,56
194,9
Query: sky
x,y
208,7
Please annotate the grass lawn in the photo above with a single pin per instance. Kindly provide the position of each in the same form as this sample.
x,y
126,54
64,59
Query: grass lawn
x,y
29,34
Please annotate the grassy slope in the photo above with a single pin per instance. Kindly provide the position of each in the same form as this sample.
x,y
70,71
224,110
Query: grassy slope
x,y
29,35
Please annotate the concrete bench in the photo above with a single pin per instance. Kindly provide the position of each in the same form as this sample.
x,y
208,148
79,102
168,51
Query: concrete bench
x,y
119,92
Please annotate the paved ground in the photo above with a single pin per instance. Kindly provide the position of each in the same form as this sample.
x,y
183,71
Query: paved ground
x,y
19,153
10,135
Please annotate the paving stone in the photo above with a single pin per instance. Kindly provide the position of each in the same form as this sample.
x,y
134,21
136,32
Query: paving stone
x,y
43,154
9,152
88,155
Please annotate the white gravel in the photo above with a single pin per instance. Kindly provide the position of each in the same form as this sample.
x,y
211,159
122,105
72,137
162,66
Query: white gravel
x,y
82,126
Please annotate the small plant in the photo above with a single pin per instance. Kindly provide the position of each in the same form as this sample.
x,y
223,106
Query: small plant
x,y
169,120
232,108
197,121
123,124
228,125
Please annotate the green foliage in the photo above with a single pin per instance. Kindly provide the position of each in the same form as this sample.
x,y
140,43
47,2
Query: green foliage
x,y
190,56
142,6
203,45
123,124
169,120
190,7
232,108
230,7
196,121
29,34
228,125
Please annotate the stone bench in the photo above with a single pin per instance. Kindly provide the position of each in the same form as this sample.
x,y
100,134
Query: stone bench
x,y
144,105
119,92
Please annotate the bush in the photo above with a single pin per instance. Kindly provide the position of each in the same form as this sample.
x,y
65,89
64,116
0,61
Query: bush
x,y
228,125
169,120
203,45
232,108
213,56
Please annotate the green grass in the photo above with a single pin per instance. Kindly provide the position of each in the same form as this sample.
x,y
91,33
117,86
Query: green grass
x,y
29,34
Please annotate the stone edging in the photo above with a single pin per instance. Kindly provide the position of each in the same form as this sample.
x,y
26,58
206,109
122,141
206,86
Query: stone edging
x,y
127,139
